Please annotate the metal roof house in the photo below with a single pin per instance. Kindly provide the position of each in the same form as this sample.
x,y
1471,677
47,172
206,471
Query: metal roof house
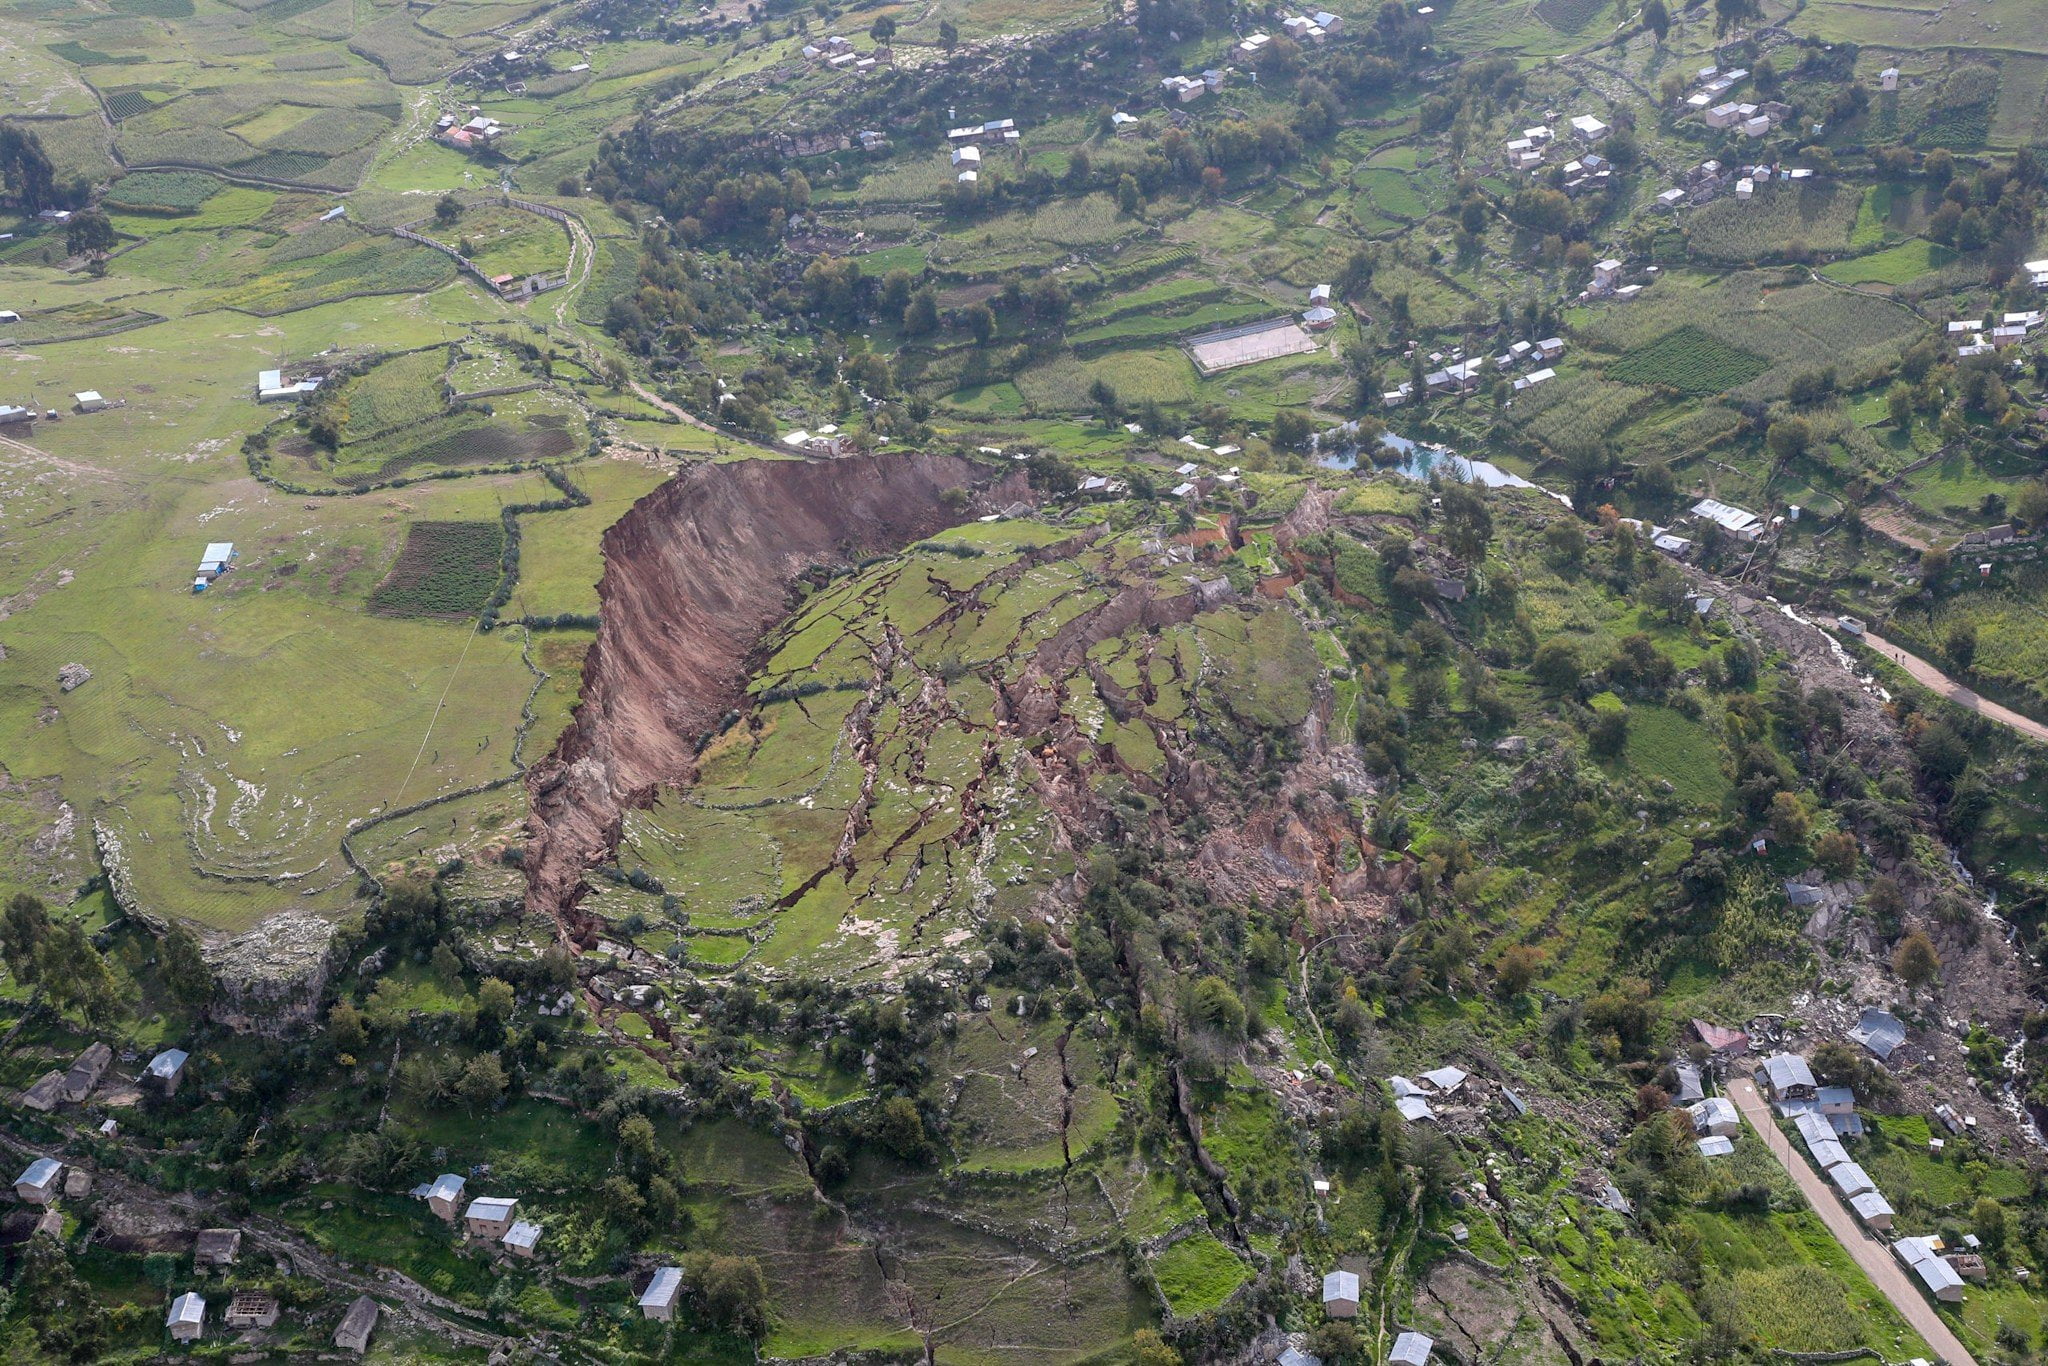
x,y
1850,1178
490,1216
444,1197
658,1300
1340,1294
186,1320
1786,1074
353,1332
1873,1209
1411,1349
167,1068
523,1238
38,1185
1715,1116
1879,1031
1942,1280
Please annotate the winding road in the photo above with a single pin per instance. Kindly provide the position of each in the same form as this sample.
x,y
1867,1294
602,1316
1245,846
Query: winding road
x,y
1930,677
1874,1256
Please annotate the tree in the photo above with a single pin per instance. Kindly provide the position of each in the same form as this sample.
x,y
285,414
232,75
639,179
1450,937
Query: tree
x,y
345,1028
1788,438
74,974
447,209
1557,664
482,1081
1656,18
1607,736
921,315
1915,961
981,321
1219,1006
1837,854
89,234
1149,1349
1516,970
1789,819
1961,646
25,168
23,928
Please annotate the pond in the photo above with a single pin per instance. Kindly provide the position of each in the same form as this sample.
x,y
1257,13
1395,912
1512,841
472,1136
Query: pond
x,y
1419,461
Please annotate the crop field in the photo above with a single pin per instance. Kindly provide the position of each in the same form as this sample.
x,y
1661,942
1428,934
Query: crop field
x,y
446,569
1690,361
1894,265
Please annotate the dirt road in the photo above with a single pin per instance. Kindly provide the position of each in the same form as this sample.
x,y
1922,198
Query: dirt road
x,y
1928,676
1873,1256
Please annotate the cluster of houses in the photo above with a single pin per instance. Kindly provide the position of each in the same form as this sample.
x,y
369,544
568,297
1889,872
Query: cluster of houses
x,y
967,142
481,130
218,560
1973,338
827,440
1412,1096
1188,88
1588,170
488,1218
839,54
1340,1301
273,387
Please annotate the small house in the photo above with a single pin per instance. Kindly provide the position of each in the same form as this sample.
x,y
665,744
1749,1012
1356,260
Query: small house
x,y
658,1300
490,1216
444,1197
167,1068
39,1184
1411,1349
86,1071
1715,1116
1850,1179
1924,1259
1787,1076
187,1318
1873,1209
1340,1294
523,1239
216,1247
251,1309
353,1333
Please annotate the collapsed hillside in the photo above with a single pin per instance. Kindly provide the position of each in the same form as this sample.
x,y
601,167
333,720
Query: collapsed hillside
x,y
693,576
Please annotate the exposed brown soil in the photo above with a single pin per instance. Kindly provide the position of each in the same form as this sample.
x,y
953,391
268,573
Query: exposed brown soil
x,y
695,575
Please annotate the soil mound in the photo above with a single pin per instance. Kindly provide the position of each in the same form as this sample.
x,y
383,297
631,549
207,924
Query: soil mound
x,y
694,575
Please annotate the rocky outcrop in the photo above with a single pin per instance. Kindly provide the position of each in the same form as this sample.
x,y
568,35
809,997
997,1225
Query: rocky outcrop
x,y
694,575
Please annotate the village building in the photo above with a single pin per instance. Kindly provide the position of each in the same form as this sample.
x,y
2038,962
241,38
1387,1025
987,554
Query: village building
x,y
40,1182
187,1318
444,1196
216,1247
490,1216
1411,1349
167,1068
523,1239
251,1309
1340,1294
353,1333
658,1300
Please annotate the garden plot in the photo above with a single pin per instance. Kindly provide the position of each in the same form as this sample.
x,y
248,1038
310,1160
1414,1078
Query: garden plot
x,y
1214,352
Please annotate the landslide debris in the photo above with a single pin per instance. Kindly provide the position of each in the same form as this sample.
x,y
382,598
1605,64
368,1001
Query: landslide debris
x,y
694,575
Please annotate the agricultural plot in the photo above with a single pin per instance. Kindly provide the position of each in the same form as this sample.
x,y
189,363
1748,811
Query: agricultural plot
x,y
446,569
1689,361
